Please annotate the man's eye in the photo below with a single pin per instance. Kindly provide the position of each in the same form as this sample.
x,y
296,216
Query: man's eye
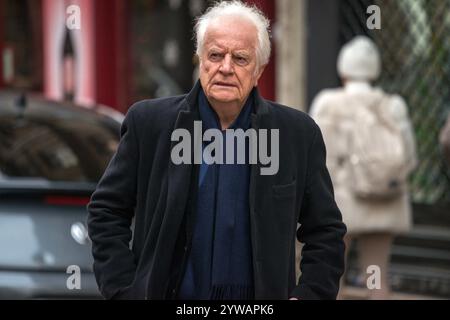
x,y
241,60
215,56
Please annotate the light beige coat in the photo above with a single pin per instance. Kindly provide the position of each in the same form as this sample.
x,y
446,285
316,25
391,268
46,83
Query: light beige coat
x,y
333,111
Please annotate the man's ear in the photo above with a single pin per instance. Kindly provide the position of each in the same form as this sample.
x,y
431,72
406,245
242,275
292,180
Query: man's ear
x,y
196,59
259,74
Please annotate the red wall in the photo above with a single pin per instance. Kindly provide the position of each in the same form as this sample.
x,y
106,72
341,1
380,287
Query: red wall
x,y
112,53
266,84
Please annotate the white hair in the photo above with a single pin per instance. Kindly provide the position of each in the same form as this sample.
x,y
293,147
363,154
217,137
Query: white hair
x,y
237,8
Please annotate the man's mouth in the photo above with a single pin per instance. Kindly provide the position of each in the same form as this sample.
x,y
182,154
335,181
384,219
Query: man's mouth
x,y
224,84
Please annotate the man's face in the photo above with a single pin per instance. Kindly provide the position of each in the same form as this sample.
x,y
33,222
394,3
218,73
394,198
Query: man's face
x,y
228,66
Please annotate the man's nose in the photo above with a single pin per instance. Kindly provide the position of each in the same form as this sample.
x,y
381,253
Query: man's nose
x,y
227,65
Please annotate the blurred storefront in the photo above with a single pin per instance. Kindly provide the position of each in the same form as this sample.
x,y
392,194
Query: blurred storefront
x,y
112,52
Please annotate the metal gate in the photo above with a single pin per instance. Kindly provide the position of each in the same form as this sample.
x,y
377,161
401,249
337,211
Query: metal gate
x,y
415,47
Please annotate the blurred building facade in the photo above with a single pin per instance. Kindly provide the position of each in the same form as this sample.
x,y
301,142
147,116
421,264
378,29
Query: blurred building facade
x,y
112,52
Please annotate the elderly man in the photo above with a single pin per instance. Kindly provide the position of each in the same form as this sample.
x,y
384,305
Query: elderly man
x,y
211,230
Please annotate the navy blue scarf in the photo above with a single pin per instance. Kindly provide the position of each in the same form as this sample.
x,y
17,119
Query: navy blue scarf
x,y
219,266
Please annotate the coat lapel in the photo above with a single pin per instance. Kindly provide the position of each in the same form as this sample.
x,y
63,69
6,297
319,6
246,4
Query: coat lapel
x,y
260,120
180,176
181,179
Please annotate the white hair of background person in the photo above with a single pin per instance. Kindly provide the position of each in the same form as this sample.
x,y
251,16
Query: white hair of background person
x,y
359,60
237,9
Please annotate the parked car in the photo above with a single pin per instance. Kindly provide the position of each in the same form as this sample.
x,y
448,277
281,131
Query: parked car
x,y
51,156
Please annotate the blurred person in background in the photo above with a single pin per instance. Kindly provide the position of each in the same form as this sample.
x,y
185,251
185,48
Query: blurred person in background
x,y
370,153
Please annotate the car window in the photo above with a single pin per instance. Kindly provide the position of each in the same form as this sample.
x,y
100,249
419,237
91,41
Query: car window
x,y
55,148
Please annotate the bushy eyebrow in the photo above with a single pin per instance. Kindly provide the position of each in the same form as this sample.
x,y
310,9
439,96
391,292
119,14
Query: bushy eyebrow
x,y
240,52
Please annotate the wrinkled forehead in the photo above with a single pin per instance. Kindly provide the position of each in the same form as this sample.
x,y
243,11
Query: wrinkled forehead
x,y
231,32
